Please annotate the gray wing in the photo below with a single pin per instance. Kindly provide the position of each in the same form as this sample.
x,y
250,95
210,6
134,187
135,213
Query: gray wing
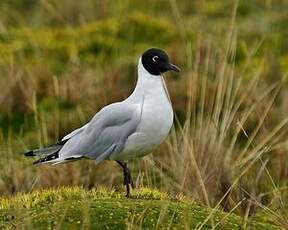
x,y
74,133
105,134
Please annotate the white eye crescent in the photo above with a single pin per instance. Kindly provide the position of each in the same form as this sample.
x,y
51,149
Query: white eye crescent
x,y
155,58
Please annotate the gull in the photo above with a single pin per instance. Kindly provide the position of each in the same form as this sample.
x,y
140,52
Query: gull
x,y
123,130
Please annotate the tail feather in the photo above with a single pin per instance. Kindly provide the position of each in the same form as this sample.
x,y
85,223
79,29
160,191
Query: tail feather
x,y
29,153
55,160
47,150
51,154
44,151
48,158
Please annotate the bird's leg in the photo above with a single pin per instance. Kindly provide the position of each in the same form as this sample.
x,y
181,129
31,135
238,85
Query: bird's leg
x,y
130,178
127,177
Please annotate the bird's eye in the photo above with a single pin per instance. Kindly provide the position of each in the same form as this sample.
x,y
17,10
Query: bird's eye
x,y
155,58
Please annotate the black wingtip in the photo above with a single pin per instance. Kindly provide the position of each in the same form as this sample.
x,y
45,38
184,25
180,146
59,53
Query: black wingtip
x,y
37,162
50,157
29,154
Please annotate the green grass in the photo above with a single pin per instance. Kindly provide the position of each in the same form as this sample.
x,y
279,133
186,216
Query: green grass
x,y
74,207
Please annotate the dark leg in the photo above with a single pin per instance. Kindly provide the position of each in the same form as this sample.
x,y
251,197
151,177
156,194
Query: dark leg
x,y
127,177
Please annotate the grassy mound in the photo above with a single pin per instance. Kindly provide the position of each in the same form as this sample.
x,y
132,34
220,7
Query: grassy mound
x,y
72,208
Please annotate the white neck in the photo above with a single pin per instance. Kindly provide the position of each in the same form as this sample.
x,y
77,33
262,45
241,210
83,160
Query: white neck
x,y
147,84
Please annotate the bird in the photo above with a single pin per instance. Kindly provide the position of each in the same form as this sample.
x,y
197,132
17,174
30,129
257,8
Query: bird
x,y
123,130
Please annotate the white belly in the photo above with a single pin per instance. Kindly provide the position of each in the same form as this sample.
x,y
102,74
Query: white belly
x,y
156,122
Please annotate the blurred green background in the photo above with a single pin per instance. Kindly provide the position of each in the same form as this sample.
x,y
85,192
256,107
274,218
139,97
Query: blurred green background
x,y
61,61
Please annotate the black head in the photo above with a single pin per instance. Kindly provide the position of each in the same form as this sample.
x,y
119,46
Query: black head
x,y
156,61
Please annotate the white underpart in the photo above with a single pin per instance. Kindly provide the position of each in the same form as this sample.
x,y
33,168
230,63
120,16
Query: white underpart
x,y
156,121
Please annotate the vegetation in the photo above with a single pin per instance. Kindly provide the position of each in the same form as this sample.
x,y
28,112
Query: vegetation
x,y
102,209
61,61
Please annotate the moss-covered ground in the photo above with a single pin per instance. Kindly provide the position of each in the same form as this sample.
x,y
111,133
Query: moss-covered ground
x,y
76,208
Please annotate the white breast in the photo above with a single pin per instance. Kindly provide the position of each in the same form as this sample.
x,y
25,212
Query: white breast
x,y
155,125
156,122
156,116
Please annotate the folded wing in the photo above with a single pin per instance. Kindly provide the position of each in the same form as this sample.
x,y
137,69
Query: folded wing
x,y
105,134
